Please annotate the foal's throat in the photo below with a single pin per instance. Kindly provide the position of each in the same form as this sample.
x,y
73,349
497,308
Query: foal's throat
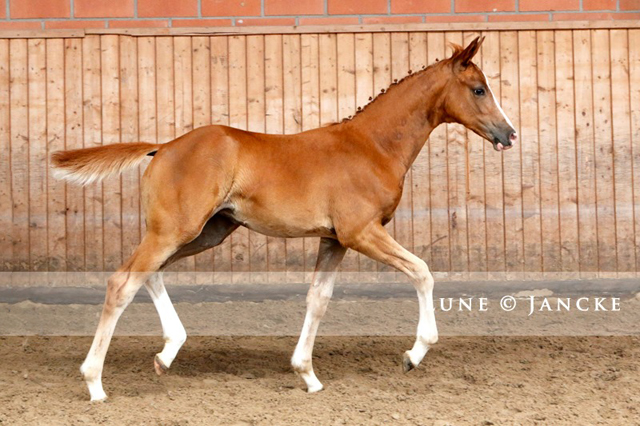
x,y
400,120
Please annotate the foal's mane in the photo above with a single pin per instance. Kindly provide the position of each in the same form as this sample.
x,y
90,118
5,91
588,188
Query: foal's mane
x,y
457,49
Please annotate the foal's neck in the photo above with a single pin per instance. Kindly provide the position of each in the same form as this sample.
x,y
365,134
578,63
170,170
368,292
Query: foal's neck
x,y
400,120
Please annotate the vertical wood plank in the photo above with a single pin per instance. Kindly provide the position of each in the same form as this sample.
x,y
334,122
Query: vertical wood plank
x,y
328,78
347,98
73,140
567,179
605,212
165,92
530,151
6,204
183,85
476,214
494,201
622,151
256,123
550,215
585,153
634,103
347,104
512,168
19,125
112,187
310,81
292,121
399,69
92,114
240,254
55,119
438,175
129,132
37,149
364,89
381,62
220,115
365,92
201,54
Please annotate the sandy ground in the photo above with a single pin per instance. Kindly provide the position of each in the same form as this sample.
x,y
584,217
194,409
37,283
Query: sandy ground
x,y
248,381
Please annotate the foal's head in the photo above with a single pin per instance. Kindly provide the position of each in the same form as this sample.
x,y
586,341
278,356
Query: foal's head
x,y
468,99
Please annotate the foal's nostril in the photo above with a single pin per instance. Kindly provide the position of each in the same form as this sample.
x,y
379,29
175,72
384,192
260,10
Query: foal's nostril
x,y
513,137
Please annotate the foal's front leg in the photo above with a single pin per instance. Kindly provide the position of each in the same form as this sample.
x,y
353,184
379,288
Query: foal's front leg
x,y
330,254
376,243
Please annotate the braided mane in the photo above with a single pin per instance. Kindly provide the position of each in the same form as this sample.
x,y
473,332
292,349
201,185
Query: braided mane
x,y
457,49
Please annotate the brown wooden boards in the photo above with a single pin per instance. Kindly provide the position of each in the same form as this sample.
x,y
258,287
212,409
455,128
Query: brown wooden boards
x,y
6,201
564,200
512,163
585,153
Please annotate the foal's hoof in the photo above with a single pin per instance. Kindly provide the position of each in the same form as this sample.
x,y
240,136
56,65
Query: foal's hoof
x,y
159,366
407,365
97,395
315,388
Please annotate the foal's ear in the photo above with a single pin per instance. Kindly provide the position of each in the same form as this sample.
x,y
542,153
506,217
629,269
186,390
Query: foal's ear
x,y
462,57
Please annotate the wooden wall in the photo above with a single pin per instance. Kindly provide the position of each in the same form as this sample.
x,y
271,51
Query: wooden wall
x,y
564,200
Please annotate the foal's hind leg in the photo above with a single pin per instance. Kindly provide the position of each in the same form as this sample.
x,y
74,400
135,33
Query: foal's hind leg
x,y
213,233
376,243
330,255
122,286
172,329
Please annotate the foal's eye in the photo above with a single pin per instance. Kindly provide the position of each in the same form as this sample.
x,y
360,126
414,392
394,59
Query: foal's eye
x,y
478,92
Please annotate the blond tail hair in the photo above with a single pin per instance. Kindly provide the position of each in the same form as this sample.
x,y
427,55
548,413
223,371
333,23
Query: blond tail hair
x,y
88,165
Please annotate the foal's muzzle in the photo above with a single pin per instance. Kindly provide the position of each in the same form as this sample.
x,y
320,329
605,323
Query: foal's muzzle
x,y
505,141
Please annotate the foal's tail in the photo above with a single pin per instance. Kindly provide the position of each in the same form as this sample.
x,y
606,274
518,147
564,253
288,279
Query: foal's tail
x,y
84,166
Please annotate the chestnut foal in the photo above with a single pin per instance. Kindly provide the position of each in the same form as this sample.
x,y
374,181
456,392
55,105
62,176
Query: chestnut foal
x,y
341,183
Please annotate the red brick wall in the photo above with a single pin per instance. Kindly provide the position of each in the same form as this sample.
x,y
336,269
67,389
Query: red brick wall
x,y
20,14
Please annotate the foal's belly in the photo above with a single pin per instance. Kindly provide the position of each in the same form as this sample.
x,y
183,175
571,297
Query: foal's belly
x,y
284,223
